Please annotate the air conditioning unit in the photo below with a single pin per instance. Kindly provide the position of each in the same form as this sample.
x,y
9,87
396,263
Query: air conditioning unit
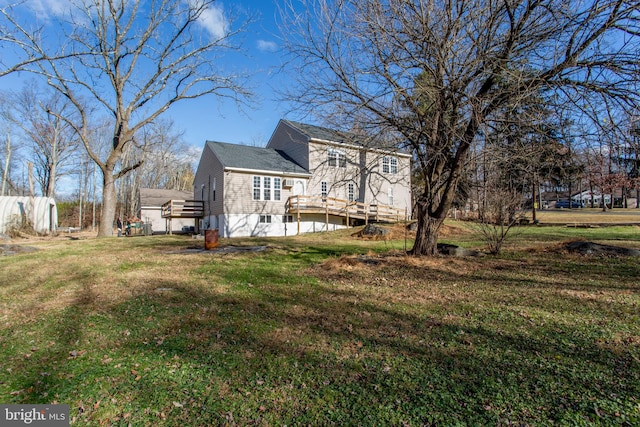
x,y
288,183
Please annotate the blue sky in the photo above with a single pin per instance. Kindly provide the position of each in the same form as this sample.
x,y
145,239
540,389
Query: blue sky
x,y
208,118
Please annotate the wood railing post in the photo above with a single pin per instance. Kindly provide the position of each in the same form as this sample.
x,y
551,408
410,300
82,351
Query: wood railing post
x,y
298,212
346,211
326,215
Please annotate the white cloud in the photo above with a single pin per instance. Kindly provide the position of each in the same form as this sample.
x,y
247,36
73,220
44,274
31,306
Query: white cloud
x,y
267,46
49,8
214,21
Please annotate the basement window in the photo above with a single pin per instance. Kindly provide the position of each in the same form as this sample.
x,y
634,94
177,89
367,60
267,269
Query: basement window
x,y
265,219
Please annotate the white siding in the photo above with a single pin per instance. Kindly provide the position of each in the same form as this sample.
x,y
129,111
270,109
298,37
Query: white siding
x,y
249,225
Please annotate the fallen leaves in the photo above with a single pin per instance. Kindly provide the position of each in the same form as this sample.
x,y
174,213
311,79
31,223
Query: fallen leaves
x,y
76,353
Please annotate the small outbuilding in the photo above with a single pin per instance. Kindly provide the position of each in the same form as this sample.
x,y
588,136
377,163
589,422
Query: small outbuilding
x,y
40,213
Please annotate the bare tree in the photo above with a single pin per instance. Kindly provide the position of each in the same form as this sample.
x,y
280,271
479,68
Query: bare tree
x,y
165,165
130,59
9,147
434,72
5,166
51,142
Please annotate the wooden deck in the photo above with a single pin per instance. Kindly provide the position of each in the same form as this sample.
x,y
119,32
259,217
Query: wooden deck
x,y
344,208
183,209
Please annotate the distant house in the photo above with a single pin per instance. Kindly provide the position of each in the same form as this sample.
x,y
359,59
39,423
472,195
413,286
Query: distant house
x,y
40,213
151,202
308,178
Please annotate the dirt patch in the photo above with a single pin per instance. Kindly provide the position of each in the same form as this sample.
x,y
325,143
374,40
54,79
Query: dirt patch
x,y
400,230
10,249
596,249
394,264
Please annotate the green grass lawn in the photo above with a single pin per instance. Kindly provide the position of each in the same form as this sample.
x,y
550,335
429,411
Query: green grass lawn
x,y
324,329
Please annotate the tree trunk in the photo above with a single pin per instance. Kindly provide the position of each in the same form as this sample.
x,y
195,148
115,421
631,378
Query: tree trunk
x,y
426,242
7,164
534,201
108,212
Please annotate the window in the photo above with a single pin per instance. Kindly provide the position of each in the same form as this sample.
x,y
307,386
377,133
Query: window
x,y
267,188
333,158
390,194
351,192
256,188
336,158
389,165
265,219
323,189
287,218
277,188
266,191
342,160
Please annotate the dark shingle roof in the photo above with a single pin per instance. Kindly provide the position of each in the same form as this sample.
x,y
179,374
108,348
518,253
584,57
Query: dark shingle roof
x,y
326,134
256,158
342,137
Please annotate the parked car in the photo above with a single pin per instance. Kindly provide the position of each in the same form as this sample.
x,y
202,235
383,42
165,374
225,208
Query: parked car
x,y
565,204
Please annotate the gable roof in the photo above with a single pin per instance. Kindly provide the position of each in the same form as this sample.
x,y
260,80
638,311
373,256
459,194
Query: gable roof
x,y
254,158
326,134
342,137
157,197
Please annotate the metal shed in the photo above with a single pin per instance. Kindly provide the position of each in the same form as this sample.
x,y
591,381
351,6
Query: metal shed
x,y
40,212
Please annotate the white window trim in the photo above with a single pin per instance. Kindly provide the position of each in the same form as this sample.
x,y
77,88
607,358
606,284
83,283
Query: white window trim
x,y
337,156
258,187
265,219
351,192
390,165
274,192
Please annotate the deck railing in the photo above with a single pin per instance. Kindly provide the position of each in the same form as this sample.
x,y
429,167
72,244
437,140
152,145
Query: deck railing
x,y
183,209
344,208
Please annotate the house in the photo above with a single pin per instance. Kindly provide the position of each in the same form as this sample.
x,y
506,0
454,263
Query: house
x,y
308,178
151,202
40,213
594,198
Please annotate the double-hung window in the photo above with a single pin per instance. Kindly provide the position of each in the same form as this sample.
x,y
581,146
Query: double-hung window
x,y
336,158
351,192
266,192
277,188
257,188
390,165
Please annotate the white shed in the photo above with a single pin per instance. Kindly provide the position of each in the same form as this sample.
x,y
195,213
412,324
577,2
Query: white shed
x,y
40,212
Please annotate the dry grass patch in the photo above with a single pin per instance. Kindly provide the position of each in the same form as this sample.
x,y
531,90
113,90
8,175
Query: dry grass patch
x,y
328,330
